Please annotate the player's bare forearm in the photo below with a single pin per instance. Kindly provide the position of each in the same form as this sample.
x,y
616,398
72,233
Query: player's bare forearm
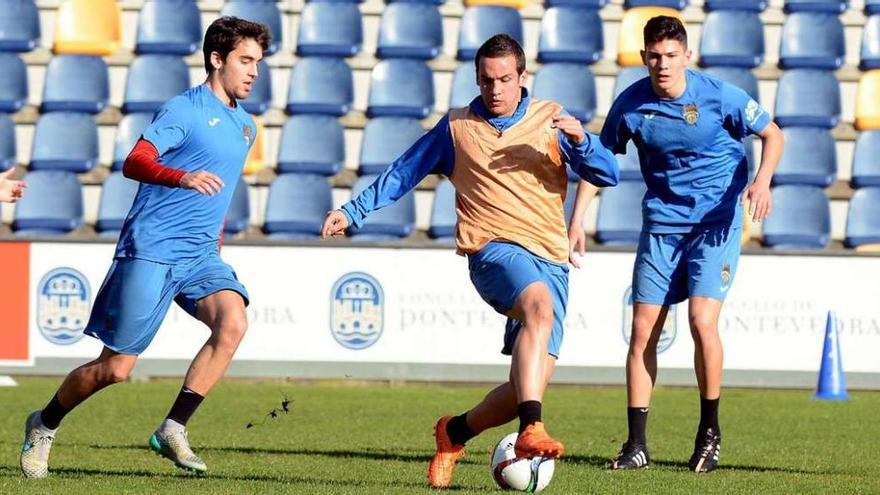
x,y
772,143
585,194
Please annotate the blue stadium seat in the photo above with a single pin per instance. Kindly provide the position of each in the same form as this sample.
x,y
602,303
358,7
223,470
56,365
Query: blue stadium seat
x,y
812,40
296,206
870,54
872,7
591,4
443,217
171,27
749,5
672,4
829,6
571,34
392,222
53,204
571,85
809,159
76,83
320,85
330,30
464,85
385,139
13,84
117,196
619,221
862,221
260,98
258,11
481,23
19,26
401,88
630,169
238,217
341,1
410,30
8,149
808,97
801,218
732,38
628,75
741,77
866,164
131,128
65,141
152,80
311,144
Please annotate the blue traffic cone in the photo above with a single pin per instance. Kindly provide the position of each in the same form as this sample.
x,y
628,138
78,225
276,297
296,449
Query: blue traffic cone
x,y
832,380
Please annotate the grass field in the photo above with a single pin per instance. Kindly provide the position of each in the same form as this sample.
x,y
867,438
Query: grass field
x,y
376,438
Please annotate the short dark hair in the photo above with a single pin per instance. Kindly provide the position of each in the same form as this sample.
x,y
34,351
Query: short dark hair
x,y
502,45
226,32
664,27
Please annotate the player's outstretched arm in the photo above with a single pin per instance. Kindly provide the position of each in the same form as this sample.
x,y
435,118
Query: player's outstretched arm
x,y
10,190
585,154
142,165
335,224
758,195
577,237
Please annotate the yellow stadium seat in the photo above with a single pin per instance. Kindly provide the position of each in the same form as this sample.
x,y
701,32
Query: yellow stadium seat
x,y
88,27
868,101
630,39
517,4
256,159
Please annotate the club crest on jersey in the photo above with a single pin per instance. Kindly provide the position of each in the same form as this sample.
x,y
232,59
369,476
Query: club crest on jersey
x,y
246,132
63,305
690,113
725,278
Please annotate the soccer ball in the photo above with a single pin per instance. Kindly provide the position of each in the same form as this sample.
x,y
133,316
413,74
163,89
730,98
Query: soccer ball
x,y
518,473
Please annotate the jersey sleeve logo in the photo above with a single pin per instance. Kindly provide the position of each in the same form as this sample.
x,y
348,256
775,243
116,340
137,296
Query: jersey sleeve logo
x,y
690,113
753,112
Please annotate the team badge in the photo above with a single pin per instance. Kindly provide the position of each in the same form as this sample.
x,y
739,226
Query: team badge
x,y
246,131
690,113
63,305
725,278
356,314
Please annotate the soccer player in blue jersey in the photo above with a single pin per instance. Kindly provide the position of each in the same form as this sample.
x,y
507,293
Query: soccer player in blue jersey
x,y
688,129
168,250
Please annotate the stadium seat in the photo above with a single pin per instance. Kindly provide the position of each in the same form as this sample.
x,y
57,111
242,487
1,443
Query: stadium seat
x,y
256,159
65,141
320,85
152,80
464,85
671,4
619,221
630,169
571,34
732,38
862,221
8,149
571,85
630,41
830,6
868,101
514,4
749,5
262,12
296,206
809,159
870,55
13,84
812,40
88,27
443,217
590,4
410,30
76,83
19,26
628,75
311,144
801,218
238,217
260,98
392,222
866,160
172,27
808,97
872,7
117,196
481,23
131,128
741,77
401,88
53,204
330,30
384,140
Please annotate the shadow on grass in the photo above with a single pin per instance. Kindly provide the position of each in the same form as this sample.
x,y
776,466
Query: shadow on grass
x,y
597,461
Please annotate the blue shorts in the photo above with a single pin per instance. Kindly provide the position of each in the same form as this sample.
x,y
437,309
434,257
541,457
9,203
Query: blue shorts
x,y
502,270
669,268
136,295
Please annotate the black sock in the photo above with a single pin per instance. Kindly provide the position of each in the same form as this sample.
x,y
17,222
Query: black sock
x,y
458,430
53,413
185,405
637,420
709,414
529,413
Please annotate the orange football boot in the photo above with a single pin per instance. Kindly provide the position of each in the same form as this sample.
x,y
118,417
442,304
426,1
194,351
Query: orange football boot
x,y
535,442
447,454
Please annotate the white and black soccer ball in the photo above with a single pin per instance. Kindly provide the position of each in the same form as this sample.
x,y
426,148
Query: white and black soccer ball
x,y
518,473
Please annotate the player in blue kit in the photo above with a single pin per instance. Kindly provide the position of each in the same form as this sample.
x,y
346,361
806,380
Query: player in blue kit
x,y
168,250
688,129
